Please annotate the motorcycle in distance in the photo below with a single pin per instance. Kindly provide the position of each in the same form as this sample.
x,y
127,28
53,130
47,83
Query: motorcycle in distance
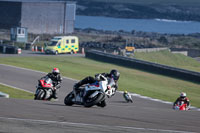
x,y
92,94
181,106
44,89
127,97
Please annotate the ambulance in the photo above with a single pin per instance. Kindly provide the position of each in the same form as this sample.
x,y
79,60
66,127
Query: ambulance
x,y
62,44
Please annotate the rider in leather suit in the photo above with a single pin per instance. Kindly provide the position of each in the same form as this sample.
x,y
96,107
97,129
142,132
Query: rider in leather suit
x,y
56,79
182,98
114,74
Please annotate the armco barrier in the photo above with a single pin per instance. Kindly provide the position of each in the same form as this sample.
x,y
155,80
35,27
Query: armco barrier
x,y
144,65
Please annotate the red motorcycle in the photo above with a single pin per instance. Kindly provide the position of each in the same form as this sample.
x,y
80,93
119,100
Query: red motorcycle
x,y
44,89
181,106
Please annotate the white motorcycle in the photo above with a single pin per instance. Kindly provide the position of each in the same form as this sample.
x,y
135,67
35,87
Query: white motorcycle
x,y
91,94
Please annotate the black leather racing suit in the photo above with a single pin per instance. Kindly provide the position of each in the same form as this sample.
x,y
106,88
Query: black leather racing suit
x,y
185,100
90,80
56,80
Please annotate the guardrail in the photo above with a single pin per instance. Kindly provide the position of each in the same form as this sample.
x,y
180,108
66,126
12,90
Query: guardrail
x,y
144,65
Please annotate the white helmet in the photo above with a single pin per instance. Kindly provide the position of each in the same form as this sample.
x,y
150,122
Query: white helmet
x,y
183,95
55,71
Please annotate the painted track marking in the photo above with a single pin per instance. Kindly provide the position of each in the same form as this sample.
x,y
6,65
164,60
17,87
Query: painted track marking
x,y
16,88
93,125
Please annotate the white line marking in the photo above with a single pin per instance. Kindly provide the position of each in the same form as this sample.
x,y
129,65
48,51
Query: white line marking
x,y
16,87
157,100
92,125
35,71
133,94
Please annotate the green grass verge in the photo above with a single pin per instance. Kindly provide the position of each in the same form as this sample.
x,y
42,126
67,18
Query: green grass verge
x,y
167,58
147,84
14,93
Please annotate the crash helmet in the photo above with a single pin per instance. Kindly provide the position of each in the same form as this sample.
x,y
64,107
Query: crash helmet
x,y
125,92
183,95
55,71
115,74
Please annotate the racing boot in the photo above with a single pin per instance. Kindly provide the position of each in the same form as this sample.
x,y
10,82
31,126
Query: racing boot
x,y
55,95
76,87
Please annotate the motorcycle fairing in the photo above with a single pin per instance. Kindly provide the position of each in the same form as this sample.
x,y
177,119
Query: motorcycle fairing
x,y
45,85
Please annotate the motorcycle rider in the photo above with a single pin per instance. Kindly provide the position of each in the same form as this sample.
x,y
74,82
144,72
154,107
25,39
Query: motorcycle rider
x,y
127,96
114,74
56,80
182,98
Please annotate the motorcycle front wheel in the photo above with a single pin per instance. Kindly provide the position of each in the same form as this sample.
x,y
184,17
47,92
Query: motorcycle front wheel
x,y
40,95
89,102
68,99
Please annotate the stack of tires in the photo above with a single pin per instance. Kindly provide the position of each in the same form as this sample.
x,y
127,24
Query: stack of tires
x,y
8,49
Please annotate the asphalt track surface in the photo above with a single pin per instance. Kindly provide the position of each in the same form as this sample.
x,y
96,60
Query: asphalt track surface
x,y
118,116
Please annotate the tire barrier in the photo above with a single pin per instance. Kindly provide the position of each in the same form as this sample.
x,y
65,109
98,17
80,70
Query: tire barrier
x,y
145,66
8,49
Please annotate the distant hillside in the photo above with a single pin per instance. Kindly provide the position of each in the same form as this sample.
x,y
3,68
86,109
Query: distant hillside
x,y
185,10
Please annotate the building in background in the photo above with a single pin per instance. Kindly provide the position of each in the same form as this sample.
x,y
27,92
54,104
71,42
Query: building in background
x,y
19,34
39,17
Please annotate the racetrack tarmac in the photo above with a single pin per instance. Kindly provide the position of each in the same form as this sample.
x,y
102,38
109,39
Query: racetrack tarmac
x,y
18,115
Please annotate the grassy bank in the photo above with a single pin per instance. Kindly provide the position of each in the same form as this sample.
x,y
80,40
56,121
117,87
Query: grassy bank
x,y
14,93
148,84
167,58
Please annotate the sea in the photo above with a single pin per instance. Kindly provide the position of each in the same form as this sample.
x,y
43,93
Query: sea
x,y
164,26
